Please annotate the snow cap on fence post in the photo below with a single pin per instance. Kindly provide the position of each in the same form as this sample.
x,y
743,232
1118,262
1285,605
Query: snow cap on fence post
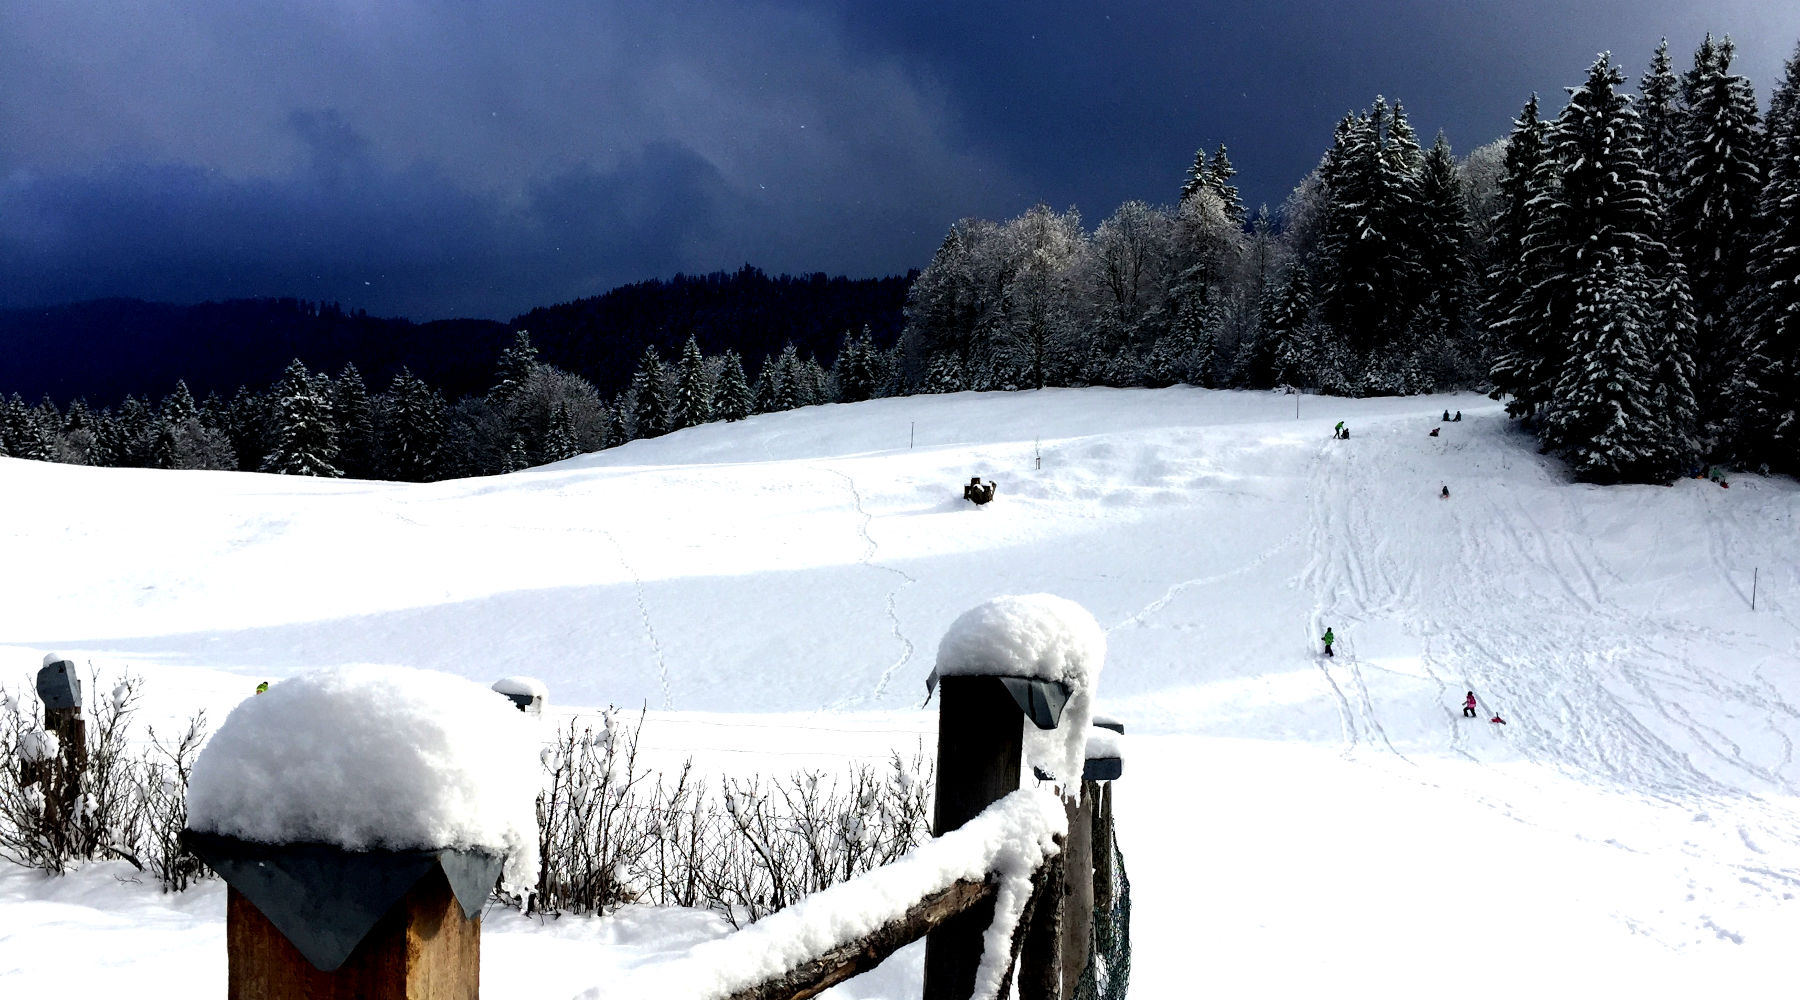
x,y
529,693
1049,651
339,795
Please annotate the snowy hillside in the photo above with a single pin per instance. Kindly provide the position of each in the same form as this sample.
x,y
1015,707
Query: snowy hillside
x,y
775,590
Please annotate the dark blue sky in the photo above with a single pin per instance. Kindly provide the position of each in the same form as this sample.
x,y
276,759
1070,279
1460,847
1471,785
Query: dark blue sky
x,y
476,158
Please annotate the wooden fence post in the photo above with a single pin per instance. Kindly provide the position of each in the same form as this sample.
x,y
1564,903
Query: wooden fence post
x,y
59,690
423,947
1103,850
1078,886
980,739
1040,955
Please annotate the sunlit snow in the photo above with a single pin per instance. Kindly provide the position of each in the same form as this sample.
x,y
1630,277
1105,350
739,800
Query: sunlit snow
x,y
774,590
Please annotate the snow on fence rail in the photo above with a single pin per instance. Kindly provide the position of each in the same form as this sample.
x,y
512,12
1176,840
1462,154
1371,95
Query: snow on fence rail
x,y
989,893
849,928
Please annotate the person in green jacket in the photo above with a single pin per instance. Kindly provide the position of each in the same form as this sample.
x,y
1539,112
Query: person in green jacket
x,y
1328,638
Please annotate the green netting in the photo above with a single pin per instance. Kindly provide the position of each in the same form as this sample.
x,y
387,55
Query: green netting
x,y
1108,971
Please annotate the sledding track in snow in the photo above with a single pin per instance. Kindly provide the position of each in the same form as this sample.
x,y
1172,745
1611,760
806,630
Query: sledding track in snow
x,y
1520,591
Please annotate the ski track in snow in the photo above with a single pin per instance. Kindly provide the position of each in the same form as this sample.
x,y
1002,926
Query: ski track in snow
x,y
891,604
1589,720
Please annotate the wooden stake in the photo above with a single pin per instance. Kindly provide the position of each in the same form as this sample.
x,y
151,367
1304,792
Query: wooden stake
x,y
980,738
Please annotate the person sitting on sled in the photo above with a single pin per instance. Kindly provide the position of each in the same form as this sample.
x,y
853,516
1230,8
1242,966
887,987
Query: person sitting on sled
x,y
1498,721
1469,706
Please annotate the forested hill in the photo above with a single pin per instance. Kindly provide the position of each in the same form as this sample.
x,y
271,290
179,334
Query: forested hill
x,y
104,349
101,350
603,338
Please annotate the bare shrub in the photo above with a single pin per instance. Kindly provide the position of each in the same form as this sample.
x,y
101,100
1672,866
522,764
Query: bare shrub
x,y
611,834
57,810
163,785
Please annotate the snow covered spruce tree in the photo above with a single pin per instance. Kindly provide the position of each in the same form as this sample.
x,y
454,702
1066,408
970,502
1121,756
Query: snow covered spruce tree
x,y
779,387
734,399
1711,215
1444,239
246,425
1669,343
693,389
304,442
413,429
516,365
559,441
855,368
24,434
1517,311
1765,386
355,422
1591,248
1604,409
1369,270
1285,348
182,440
650,391
1215,175
1659,111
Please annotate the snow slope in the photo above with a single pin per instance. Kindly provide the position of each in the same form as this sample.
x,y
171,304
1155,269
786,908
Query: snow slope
x,y
774,590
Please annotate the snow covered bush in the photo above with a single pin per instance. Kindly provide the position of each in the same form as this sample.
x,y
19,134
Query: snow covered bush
x,y
52,815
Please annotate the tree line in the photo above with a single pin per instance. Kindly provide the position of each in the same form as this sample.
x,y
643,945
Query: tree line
x,y
314,424
1626,275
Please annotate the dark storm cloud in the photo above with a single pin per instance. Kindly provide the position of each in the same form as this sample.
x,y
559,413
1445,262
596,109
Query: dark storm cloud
x,y
482,157
345,228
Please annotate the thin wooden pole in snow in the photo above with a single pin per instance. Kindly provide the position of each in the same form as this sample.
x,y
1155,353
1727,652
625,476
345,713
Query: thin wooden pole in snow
x,y
910,430
1755,572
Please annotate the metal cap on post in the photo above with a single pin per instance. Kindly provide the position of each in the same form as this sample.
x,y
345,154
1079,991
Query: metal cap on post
x,y
58,686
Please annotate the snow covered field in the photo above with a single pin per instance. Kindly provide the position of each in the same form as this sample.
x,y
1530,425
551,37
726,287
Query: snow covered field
x,y
775,590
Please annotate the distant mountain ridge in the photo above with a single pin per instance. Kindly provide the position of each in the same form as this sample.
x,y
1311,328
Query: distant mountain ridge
x,y
101,350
